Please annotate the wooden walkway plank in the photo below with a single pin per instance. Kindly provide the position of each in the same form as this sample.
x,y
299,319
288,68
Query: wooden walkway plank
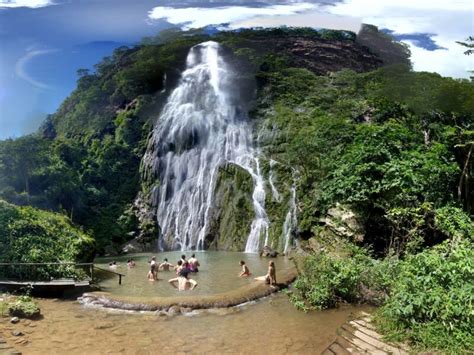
x,y
376,344
348,346
338,349
360,337
364,324
375,339
362,345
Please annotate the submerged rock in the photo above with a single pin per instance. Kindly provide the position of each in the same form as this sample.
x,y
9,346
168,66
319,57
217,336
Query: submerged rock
x,y
268,252
17,333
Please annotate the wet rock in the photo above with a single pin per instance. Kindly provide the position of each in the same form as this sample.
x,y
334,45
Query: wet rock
x,y
268,252
161,313
15,320
17,333
174,310
185,310
104,326
2,341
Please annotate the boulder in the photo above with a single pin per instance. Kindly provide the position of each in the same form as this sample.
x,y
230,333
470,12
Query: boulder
x,y
344,222
268,252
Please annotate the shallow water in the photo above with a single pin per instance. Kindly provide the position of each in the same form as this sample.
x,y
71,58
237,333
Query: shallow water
x,y
268,326
218,273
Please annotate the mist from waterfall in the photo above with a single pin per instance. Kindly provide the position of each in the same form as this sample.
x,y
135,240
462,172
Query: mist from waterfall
x,y
202,126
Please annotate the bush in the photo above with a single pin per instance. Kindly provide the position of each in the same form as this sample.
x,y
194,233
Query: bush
x,y
24,307
326,280
28,235
432,301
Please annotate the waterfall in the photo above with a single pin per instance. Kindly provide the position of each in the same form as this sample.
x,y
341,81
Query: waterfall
x,y
201,127
290,220
275,194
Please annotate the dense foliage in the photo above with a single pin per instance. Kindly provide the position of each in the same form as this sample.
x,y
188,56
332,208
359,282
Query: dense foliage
x,y
395,147
397,157
432,299
29,235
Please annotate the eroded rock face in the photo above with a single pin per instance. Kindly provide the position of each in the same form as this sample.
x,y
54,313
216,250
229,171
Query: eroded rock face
x,y
232,212
343,222
324,56
145,239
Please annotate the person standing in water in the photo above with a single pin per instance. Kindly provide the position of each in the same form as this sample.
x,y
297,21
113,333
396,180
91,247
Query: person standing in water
x,y
182,282
194,263
165,265
270,277
152,274
245,270
184,261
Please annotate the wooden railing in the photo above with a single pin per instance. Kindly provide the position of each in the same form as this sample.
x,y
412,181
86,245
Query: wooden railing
x,y
34,269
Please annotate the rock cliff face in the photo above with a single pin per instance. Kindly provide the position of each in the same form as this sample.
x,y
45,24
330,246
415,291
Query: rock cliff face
x,y
232,211
324,56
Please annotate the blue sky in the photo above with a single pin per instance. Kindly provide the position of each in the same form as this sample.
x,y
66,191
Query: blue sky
x,y
44,42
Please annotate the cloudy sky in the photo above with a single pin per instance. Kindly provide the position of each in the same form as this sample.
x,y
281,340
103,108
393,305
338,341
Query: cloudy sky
x,y
44,42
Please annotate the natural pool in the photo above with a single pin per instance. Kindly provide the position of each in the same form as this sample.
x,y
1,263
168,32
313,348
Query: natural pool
x,y
218,273
269,326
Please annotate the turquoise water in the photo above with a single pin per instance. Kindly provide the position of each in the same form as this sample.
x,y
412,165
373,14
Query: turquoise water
x,y
218,273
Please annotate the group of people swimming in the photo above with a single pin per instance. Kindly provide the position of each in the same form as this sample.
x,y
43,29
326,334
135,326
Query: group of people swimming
x,y
185,267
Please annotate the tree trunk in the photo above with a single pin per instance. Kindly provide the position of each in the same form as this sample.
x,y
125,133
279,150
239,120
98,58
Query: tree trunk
x,y
465,176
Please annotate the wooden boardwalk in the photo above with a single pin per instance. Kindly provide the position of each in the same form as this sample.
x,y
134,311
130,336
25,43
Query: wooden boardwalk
x,y
59,282
359,337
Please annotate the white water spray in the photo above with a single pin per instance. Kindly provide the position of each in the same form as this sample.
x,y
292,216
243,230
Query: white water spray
x,y
201,127
290,220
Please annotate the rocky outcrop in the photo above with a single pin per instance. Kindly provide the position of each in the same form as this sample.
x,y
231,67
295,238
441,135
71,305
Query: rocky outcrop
x,y
232,213
325,56
145,238
343,222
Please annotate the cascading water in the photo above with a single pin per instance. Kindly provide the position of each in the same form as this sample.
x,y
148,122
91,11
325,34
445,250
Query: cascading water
x,y
275,194
201,127
290,220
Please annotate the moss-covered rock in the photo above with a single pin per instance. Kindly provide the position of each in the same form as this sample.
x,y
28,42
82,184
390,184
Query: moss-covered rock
x,y
233,209
23,307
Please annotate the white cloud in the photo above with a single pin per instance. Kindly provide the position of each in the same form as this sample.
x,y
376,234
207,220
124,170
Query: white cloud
x,y
314,18
24,3
20,67
449,21
193,17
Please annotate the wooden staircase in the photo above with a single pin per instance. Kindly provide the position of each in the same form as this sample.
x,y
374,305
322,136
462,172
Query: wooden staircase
x,y
359,337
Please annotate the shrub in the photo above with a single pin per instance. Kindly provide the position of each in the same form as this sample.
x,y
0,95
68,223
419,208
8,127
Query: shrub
x,y
431,302
326,279
23,307
28,235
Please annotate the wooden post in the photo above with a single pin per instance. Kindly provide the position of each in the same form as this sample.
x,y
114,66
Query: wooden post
x,y
92,272
120,279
